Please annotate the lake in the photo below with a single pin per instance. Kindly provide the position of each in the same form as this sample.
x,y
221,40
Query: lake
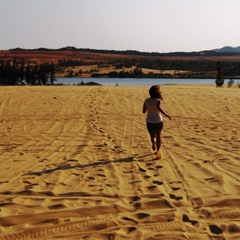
x,y
133,81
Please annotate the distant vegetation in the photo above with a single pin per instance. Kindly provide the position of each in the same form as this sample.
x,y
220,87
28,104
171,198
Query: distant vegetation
x,y
219,81
17,71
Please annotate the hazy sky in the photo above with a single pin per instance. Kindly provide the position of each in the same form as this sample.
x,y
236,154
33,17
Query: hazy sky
x,y
143,25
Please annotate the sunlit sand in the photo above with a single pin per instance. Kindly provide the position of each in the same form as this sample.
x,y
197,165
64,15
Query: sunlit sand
x,y
77,163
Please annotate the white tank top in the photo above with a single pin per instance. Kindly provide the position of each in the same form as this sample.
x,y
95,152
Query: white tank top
x,y
153,114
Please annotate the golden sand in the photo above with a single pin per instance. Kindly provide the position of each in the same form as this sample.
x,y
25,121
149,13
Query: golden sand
x,y
76,163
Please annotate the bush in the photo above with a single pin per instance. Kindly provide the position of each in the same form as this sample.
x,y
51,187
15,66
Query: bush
x,y
230,83
219,82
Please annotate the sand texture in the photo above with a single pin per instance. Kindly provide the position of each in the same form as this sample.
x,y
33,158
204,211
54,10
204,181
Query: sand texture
x,y
76,163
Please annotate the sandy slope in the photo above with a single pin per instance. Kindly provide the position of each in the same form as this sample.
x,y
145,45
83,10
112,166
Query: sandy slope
x,y
76,164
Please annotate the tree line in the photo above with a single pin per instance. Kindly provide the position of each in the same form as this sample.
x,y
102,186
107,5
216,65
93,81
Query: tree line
x,y
19,73
229,68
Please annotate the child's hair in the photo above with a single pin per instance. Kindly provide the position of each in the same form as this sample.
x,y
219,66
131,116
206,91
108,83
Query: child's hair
x,y
154,92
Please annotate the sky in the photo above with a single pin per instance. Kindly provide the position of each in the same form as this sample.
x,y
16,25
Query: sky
x,y
141,25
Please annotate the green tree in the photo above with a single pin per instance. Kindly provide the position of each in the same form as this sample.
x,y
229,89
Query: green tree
x,y
52,73
219,81
137,72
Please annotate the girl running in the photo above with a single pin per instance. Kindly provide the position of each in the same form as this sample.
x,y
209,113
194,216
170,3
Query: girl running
x,y
154,120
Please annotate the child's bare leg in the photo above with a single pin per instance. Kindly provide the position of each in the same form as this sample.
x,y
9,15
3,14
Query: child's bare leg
x,y
158,144
153,136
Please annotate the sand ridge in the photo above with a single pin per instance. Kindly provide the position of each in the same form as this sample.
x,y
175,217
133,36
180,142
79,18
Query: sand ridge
x,y
76,163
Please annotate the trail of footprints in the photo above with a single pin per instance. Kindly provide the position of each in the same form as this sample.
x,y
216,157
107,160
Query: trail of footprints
x,y
94,116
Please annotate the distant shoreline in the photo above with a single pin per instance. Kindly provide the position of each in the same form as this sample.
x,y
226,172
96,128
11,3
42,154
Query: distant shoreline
x,y
87,63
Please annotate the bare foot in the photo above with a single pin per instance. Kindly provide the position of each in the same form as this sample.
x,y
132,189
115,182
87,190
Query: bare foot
x,y
158,155
153,147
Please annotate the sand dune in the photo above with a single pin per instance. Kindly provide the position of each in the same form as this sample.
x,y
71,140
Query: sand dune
x,y
76,163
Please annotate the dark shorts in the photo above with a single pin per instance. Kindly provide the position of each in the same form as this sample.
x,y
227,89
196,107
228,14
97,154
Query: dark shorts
x,y
153,127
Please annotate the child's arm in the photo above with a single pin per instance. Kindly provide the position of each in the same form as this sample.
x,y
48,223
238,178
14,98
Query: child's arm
x,y
161,111
144,108
168,116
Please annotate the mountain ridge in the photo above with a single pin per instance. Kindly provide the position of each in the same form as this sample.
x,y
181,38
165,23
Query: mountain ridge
x,y
87,56
228,49
224,50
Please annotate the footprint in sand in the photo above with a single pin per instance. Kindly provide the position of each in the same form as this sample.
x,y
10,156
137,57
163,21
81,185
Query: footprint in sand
x,y
90,178
185,218
151,187
141,169
215,229
175,185
133,199
172,196
128,230
136,217
129,219
157,182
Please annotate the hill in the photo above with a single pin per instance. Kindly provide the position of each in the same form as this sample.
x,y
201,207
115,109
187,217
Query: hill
x,y
227,49
94,56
